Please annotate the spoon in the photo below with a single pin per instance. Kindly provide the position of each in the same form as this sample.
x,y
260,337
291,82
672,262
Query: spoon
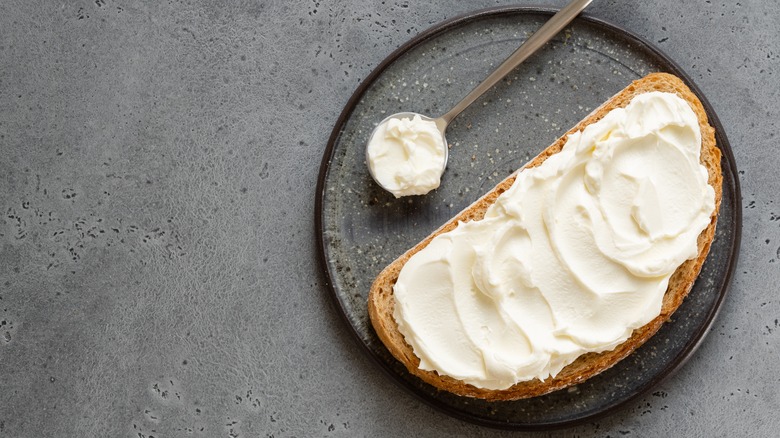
x,y
531,45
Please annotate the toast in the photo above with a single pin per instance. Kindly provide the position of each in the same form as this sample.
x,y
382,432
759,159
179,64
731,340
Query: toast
x,y
381,301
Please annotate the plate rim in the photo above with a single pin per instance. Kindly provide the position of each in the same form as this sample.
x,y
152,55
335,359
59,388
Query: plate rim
x,y
723,144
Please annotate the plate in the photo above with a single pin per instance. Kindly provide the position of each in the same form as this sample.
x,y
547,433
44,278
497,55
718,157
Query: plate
x,y
361,228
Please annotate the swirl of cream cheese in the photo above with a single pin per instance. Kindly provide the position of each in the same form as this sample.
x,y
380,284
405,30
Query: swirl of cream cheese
x,y
572,258
407,156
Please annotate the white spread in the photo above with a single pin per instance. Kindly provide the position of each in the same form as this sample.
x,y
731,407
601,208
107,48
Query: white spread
x,y
407,156
571,259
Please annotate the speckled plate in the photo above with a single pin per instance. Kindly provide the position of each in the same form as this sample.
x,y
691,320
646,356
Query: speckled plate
x,y
361,228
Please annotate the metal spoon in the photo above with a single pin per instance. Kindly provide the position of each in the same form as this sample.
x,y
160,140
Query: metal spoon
x,y
531,45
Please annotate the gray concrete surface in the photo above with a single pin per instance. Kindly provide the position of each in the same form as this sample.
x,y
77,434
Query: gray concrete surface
x,y
158,274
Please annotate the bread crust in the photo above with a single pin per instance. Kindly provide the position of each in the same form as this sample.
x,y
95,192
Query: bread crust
x,y
381,301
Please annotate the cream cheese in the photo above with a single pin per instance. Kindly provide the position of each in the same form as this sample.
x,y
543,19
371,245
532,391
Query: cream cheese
x,y
572,258
407,156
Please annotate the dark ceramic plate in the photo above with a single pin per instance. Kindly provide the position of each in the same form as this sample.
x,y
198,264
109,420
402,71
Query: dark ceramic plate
x,y
361,228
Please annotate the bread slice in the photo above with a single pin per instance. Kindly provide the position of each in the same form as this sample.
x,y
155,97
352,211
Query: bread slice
x,y
381,301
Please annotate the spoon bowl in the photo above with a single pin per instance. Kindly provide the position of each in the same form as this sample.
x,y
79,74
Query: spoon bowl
x,y
441,126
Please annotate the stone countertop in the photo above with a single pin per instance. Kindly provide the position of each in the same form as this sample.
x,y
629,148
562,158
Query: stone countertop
x,y
158,272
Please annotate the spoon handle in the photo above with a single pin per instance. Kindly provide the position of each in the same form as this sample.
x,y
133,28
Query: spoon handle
x,y
531,45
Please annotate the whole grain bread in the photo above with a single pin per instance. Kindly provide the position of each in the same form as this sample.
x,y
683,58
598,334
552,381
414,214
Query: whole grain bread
x,y
381,301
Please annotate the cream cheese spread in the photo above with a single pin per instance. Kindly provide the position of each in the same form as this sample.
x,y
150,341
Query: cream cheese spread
x,y
572,258
407,156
